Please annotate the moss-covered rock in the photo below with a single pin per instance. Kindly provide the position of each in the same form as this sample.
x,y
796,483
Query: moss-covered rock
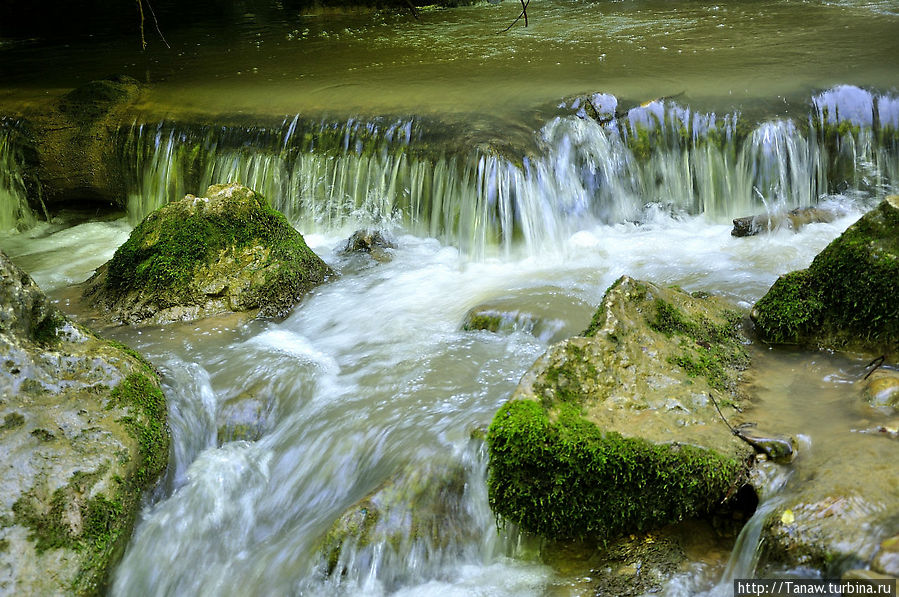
x,y
847,296
613,431
84,433
228,251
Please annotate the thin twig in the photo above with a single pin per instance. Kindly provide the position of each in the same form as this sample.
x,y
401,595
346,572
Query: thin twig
x,y
143,41
524,13
881,358
155,22
732,430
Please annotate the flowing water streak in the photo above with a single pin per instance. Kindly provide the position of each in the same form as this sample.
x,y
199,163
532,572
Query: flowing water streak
x,y
15,212
328,176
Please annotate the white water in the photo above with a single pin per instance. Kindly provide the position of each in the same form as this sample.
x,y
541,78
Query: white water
x,y
372,373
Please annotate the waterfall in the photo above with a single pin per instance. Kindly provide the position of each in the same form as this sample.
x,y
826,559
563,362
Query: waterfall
x,y
15,212
328,176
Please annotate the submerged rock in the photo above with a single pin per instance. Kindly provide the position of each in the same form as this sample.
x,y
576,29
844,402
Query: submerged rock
x,y
371,242
420,510
847,296
228,251
793,220
881,389
83,434
247,416
613,432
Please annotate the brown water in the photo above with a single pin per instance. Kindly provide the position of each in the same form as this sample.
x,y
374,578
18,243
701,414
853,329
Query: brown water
x,y
454,61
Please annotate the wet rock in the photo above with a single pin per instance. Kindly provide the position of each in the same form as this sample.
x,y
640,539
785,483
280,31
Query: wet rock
x,y
775,447
793,220
847,296
200,256
534,311
371,242
866,575
76,142
421,510
881,389
247,416
613,431
887,559
832,529
84,433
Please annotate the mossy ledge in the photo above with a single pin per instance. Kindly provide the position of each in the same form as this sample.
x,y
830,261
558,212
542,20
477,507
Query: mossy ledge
x,y
227,251
562,477
91,515
84,435
612,432
847,296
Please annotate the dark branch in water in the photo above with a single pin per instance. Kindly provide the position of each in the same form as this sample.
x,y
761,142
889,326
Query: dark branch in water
x,y
156,23
879,360
143,40
524,13
720,414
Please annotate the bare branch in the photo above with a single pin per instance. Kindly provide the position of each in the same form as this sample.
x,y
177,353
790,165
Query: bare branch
x,y
524,14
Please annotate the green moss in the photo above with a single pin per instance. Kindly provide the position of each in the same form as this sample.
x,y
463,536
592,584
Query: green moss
x,y
790,310
486,321
561,477
101,527
44,326
709,348
563,378
147,424
133,354
165,250
848,293
11,421
43,435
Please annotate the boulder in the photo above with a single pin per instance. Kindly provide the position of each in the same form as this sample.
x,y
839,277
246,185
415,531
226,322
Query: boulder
x,y
614,432
370,242
200,256
794,220
83,434
847,296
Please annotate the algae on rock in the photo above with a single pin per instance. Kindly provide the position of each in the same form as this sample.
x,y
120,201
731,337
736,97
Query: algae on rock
x,y
613,432
84,433
847,296
228,251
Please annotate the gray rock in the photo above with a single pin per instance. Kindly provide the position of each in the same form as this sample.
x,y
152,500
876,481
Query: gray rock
x,y
83,434
793,220
371,242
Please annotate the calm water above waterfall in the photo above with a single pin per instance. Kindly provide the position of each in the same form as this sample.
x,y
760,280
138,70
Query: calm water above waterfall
x,y
476,152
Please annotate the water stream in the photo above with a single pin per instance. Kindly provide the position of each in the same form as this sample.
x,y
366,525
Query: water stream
x,y
499,187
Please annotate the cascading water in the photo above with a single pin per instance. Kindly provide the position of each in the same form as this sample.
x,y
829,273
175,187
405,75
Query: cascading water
x,y
601,169
372,380
14,189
